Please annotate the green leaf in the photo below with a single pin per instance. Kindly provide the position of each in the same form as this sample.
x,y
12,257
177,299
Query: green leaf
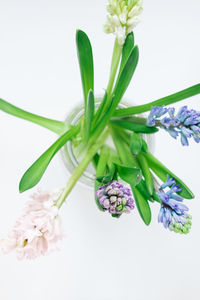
x,y
99,110
142,206
123,150
135,143
126,51
126,76
130,175
161,171
138,128
101,124
33,175
53,125
184,94
95,160
144,146
85,58
142,188
146,172
89,115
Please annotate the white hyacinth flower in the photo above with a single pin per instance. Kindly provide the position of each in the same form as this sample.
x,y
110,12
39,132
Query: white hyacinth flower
x,y
122,17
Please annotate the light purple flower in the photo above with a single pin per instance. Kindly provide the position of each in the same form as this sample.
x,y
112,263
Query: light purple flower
x,y
115,198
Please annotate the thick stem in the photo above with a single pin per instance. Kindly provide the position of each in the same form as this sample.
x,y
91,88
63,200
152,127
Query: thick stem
x,y
81,168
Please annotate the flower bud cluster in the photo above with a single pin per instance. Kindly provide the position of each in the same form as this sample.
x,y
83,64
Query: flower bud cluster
x,y
122,17
115,198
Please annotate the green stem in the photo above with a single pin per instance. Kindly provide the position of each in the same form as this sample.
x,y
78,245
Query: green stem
x,y
117,51
114,66
189,92
53,125
81,168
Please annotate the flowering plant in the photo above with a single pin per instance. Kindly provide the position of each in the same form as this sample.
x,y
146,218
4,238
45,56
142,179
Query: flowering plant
x,y
128,175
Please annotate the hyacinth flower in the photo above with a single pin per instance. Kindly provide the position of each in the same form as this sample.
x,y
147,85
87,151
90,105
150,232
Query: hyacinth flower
x,y
115,198
173,213
186,123
38,231
122,17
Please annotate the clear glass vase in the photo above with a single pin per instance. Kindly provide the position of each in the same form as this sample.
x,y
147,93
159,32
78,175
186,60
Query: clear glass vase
x,y
68,152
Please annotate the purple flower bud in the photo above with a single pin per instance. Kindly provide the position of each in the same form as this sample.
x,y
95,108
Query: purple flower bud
x,y
115,198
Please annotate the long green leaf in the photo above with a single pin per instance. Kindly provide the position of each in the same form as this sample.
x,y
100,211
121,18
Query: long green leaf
x,y
126,75
89,115
161,171
53,125
142,206
33,175
142,188
146,172
85,58
176,97
138,128
126,51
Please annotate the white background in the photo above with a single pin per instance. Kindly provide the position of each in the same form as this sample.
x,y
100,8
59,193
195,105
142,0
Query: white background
x,y
101,258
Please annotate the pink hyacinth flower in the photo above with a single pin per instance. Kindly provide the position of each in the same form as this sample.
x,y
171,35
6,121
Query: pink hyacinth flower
x,y
38,230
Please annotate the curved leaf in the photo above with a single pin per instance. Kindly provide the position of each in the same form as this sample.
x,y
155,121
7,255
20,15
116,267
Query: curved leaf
x,y
85,58
176,97
146,173
126,51
33,175
142,206
53,125
126,75
135,127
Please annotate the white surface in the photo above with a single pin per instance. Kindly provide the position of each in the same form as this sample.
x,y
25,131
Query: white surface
x,y
101,258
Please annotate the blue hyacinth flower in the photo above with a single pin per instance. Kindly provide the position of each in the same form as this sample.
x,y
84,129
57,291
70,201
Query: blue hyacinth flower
x,y
186,123
173,213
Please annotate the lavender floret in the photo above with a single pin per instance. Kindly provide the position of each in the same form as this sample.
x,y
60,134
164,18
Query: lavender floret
x,y
186,123
115,198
